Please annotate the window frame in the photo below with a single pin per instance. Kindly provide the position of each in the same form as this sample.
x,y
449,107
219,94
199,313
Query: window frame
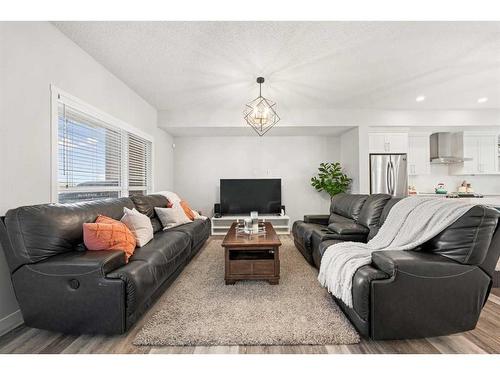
x,y
59,96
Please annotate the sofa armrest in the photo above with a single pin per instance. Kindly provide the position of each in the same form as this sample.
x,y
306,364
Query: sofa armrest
x,y
348,228
427,295
80,263
418,264
317,219
70,293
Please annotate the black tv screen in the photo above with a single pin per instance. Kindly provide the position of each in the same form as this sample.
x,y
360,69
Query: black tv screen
x,y
241,196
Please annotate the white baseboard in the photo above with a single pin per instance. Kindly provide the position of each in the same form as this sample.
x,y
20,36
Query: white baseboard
x,y
10,322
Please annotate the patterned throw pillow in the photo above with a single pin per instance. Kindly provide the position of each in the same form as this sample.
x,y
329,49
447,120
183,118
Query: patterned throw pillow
x,y
108,234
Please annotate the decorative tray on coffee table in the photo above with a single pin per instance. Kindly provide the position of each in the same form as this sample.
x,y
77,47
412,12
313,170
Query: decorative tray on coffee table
x,y
241,230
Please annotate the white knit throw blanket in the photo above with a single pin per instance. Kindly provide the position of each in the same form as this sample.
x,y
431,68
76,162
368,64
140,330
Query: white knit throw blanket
x,y
411,222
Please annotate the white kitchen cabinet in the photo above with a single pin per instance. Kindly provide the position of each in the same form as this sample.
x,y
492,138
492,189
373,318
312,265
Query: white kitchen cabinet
x,y
388,143
419,154
498,153
482,148
487,152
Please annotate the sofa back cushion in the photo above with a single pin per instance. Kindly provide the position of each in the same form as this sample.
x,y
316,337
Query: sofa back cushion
x,y
372,209
347,205
39,232
468,239
383,216
146,204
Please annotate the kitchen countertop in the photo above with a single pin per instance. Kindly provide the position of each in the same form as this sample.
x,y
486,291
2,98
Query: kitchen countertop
x,y
489,200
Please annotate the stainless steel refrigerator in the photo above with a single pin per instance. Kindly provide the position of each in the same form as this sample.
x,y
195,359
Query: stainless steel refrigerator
x,y
388,174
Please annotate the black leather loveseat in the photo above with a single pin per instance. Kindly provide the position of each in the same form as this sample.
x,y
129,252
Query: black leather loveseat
x,y
436,289
62,287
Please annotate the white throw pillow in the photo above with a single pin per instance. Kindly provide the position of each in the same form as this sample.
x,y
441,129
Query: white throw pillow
x,y
172,217
197,215
139,224
172,197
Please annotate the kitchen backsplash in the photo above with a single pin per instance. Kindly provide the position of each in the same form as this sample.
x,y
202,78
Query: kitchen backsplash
x,y
488,184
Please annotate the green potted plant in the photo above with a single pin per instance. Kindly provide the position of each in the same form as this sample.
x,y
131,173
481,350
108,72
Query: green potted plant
x,y
331,179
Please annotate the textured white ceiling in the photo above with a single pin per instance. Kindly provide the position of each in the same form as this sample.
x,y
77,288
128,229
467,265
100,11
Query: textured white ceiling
x,y
209,68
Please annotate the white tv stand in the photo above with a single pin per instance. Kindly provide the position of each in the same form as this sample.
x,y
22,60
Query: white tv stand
x,y
220,225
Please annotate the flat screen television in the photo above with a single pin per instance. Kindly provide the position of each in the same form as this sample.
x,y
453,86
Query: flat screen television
x,y
241,196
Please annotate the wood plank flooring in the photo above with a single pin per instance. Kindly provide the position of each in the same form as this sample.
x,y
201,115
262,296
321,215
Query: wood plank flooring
x,y
485,338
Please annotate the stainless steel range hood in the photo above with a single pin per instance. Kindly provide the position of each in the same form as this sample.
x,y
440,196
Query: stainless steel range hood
x,y
442,150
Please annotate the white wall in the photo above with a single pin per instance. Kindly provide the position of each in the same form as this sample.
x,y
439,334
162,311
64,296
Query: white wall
x,y
349,156
163,161
200,162
34,55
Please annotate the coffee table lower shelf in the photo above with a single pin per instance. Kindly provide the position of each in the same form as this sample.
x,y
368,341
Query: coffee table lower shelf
x,y
252,264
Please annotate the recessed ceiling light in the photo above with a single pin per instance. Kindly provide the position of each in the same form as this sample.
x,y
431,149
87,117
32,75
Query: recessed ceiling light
x,y
482,100
420,98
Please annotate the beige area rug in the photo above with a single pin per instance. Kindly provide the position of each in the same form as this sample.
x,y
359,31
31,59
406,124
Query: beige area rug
x,y
199,309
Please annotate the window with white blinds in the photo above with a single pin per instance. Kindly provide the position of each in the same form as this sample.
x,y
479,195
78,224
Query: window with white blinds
x,y
98,160
139,164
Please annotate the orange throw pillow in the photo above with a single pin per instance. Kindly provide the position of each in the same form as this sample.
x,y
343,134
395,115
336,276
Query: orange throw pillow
x,y
108,234
188,211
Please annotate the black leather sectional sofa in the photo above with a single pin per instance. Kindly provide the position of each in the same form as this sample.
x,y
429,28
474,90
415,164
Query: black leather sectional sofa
x,y
436,289
62,287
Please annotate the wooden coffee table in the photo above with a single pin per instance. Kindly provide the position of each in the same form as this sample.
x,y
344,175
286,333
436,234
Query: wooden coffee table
x,y
252,257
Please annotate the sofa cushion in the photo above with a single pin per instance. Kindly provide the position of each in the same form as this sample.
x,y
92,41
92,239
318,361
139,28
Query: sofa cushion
x,y
151,265
335,218
467,240
372,209
320,250
347,228
198,231
320,235
41,231
348,205
302,232
146,204
164,253
383,216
